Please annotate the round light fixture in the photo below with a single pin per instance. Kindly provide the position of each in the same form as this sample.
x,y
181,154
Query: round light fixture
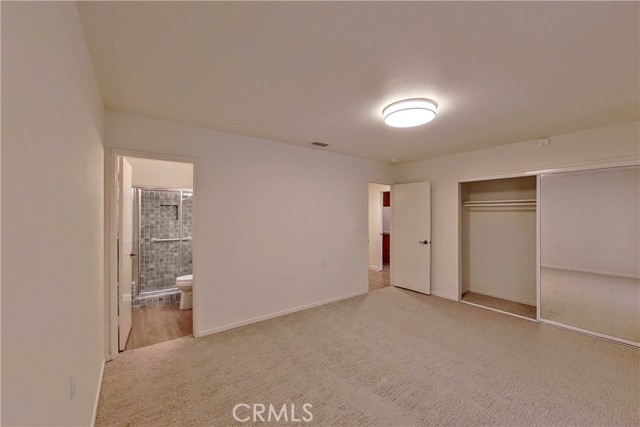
x,y
410,112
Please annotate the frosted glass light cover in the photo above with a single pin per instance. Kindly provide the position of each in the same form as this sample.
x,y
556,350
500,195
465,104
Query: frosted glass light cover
x,y
410,112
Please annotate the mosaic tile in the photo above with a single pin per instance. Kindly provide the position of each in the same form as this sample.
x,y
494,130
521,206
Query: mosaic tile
x,y
160,262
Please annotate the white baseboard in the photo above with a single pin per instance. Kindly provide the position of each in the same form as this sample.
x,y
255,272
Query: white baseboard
x,y
222,328
604,273
95,405
374,268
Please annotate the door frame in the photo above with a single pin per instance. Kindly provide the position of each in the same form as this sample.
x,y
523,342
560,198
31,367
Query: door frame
x,y
125,264
111,241
391,230
381,194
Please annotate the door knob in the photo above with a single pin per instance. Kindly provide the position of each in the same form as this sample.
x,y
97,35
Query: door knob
x,y
424,242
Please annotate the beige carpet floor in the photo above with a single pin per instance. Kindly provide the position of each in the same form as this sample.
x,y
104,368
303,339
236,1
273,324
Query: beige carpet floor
x,y
388,358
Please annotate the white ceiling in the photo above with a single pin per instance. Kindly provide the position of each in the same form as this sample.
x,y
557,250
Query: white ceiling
x,y
303,72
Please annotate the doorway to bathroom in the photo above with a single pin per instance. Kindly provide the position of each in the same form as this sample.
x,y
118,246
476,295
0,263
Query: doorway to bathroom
x,y
152,285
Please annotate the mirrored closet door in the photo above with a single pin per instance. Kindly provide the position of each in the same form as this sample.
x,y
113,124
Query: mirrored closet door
x,y
590,251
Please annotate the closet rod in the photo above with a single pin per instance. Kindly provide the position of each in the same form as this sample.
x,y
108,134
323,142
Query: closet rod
x,y
512,207
498,205
518,201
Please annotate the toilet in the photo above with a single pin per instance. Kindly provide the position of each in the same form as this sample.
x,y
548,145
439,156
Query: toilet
x,y
184,283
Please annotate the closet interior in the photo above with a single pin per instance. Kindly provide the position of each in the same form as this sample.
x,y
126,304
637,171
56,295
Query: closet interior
x,y
498,237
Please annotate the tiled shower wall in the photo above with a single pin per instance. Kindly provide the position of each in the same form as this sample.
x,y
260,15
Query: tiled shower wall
x,y
160,262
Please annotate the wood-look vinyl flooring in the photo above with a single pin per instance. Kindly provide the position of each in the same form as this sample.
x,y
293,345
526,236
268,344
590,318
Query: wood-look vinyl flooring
x,y
157,324
501,304
379,279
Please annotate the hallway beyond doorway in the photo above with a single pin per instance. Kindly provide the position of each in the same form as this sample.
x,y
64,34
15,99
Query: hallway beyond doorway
x,y
379,279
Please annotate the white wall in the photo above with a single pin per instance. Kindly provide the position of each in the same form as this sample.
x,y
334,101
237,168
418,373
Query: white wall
x,y
502,255
161,173
276,226
590,221
375,225
613,142
52,218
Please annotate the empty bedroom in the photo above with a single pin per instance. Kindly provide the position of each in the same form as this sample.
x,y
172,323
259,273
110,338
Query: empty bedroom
x,y
350,214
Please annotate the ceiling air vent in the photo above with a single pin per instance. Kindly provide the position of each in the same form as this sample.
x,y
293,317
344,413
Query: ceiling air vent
x,y
320,144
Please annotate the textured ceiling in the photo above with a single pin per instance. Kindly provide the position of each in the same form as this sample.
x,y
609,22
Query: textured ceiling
x,y
303,72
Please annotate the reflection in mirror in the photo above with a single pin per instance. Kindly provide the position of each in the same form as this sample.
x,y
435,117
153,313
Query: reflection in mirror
x,y
590,250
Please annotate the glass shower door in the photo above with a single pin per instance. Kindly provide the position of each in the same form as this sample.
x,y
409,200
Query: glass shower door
x,y
186,253
159,239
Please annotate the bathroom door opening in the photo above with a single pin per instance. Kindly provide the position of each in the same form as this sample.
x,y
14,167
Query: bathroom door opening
x,y
151,276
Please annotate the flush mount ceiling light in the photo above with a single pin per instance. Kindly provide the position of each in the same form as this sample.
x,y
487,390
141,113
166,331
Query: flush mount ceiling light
x,y
410,112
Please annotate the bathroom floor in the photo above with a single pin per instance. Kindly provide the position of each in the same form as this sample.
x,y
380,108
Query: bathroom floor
x,y
157,324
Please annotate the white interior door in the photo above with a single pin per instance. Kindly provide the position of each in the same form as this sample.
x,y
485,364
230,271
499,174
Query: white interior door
x,y
125,239
411,258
